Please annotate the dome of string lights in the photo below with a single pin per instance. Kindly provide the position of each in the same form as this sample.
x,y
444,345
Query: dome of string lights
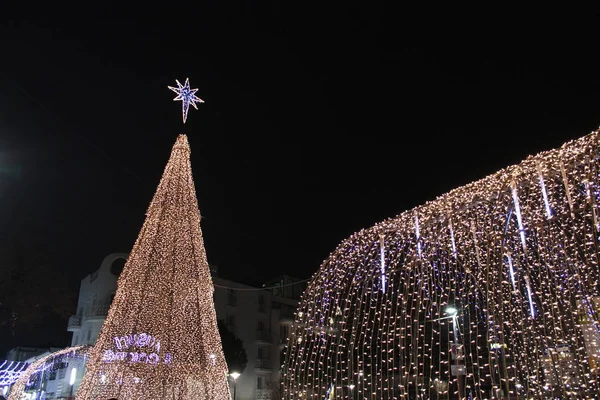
x,y
490,291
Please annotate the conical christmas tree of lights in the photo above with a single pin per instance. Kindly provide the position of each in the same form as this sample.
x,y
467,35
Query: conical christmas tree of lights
x,y
160,339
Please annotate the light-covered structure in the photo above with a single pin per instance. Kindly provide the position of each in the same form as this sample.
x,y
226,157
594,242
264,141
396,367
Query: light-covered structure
x,y
34,383
160,338
489,291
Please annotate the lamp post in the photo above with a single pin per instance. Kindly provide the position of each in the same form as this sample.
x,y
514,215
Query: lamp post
x,y
234,376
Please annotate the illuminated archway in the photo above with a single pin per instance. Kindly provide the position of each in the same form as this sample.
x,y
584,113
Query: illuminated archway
x,y
490,290
37,367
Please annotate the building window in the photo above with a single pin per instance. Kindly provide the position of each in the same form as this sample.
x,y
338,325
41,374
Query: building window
x,y
75,339
261,326
231,323
89,336
231,297
261,303
262,353
260,383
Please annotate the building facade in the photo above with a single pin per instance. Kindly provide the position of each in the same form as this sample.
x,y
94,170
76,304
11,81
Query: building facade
x,y
96,292
261,319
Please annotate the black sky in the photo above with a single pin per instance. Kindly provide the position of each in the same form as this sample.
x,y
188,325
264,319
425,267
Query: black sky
x,y
318,121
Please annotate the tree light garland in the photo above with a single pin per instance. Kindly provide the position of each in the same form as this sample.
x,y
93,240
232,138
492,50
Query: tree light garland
x,y
492,291
160,338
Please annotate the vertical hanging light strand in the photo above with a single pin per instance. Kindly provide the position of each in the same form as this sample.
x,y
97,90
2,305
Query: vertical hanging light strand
x,y
518,214
474,234
591,201
418,235
530,296
544,193
452,238
382,259
567,190
511,271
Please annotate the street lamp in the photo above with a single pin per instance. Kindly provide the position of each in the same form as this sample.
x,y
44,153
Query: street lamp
x,y
452,311
234,375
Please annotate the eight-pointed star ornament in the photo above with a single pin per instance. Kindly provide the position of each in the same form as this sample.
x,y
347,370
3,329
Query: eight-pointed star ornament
x,y
186,95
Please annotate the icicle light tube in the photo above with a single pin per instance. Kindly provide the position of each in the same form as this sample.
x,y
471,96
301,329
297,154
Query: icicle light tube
x,y
395,344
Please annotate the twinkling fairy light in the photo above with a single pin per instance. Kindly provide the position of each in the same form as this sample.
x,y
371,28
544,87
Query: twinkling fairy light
x,y
519,268
187,96
160,338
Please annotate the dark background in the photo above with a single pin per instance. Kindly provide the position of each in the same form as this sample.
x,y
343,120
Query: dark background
x,y
319,120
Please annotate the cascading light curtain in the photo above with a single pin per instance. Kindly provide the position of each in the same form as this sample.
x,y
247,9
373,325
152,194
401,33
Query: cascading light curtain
x,y
489,291
160,339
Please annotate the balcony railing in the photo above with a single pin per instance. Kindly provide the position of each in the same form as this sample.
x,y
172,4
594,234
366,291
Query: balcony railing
x,y
263,363
74,323
97,311
263,336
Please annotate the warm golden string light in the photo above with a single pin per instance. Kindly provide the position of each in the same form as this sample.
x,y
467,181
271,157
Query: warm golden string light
x,y
160,339
489,291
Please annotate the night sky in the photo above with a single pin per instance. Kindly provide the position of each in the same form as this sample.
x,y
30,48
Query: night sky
x,y
318,121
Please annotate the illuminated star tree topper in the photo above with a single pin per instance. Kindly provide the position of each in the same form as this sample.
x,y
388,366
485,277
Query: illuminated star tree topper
x,y
186,95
